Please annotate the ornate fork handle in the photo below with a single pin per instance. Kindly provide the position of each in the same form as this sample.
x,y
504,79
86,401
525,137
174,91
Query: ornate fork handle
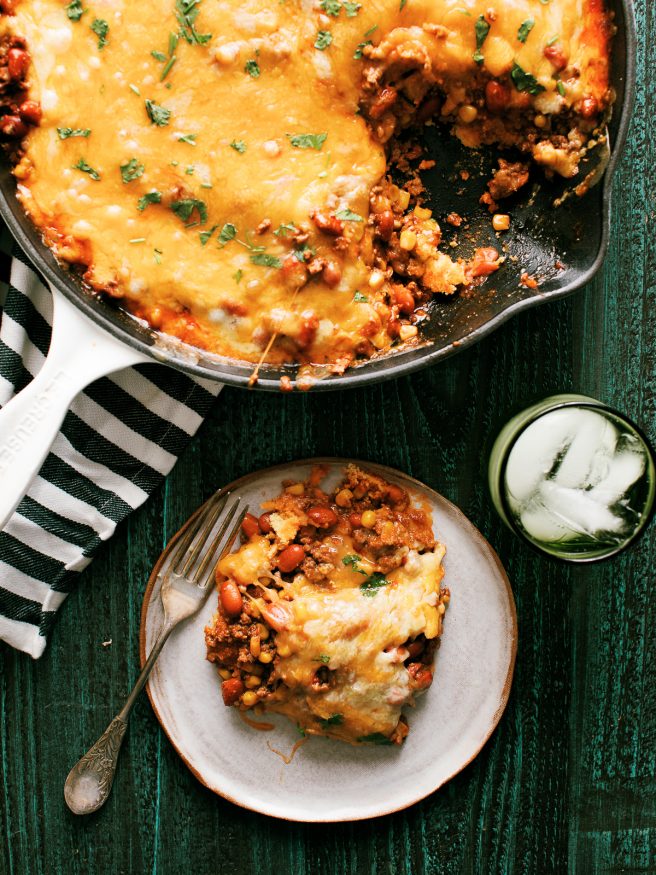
x,y
90,780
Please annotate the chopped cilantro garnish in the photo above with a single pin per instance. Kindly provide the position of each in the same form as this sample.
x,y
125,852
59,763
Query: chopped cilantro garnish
x,y
167,69
159,115
352,560
74,10
553,40
331,7
189,139
238,146
157,254
285,229
307,141
135,90
100,27
132,170
402,4
560,88
351,9
65,133
358,52
525,28
264,259
323,657
348,216
252,68
86,168
237,276
304,252
481,29
185,207
525,81
186,11
372,584
205,235
333,720
153,197
159,56
359,298
375,738
301,731
189,171
323,40
228,233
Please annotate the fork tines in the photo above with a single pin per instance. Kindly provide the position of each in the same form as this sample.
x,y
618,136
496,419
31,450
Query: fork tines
x,y
207,537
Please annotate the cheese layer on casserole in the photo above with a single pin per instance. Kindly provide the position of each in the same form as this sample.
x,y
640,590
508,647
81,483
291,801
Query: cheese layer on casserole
x,y
188,152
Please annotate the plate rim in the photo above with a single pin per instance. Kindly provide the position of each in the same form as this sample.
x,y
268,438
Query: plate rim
x,y
395,473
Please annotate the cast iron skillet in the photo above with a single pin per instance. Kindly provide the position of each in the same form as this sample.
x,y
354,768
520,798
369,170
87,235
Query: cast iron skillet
x,y
541,236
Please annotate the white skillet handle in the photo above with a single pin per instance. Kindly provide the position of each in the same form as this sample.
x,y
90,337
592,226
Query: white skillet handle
x,y
80,352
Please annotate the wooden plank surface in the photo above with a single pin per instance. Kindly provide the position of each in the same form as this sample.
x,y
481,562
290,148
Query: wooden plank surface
x,y
568,781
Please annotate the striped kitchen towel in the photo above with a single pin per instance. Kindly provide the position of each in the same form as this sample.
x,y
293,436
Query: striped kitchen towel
x,y
121,437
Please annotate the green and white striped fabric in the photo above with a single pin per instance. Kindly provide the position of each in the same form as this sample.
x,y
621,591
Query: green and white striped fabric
x,y
119,440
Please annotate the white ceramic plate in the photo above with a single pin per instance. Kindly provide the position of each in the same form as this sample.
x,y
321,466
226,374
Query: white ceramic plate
x,y
329,780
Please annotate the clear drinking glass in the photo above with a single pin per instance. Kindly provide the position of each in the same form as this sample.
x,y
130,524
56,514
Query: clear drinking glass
x,y
573,478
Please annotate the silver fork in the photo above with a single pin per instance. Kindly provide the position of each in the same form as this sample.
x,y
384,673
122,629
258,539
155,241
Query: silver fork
x,y
187,576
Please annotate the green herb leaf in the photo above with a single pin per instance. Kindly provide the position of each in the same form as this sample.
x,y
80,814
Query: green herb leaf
x,y
252,68
351,9
65,133
525,28
301,731
228,233
352,560
553,40
333,720
264,259
285,229
100,27
185,207
74,10
323,40
331,7
238,146
372,584
186,11
153,197
375,738
348,216
159,56
189,139
159,115
323,657
402,4
86,168
237,276
560,88
358,52
205,235
524,81
359,298
307,141
481,29
157,255
132,170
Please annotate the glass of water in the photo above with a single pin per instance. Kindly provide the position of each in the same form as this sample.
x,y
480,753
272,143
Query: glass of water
x,y
574,478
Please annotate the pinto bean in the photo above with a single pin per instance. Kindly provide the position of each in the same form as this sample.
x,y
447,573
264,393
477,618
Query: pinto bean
x,y
589,107
556,55
30,111
332,273
384,223
231,600
231,690
265,523
322,517
290,558
250,525
329,224
497,96
385,99
12,126
422,676
18,63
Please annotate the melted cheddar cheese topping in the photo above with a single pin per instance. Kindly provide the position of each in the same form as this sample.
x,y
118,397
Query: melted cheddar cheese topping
x,y
181,161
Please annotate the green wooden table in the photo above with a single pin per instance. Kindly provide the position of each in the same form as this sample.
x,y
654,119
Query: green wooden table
x,y
568,780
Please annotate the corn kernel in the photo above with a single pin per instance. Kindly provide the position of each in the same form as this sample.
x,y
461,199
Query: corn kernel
x,y
540,121
406,332
263,632
344,498
284,650
467,113
407,240
252,681
225,673
266,657
423,212
400,197
296,489
381,339
501,222
254,646
387,530
376,280
249,699
441,609
369,519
